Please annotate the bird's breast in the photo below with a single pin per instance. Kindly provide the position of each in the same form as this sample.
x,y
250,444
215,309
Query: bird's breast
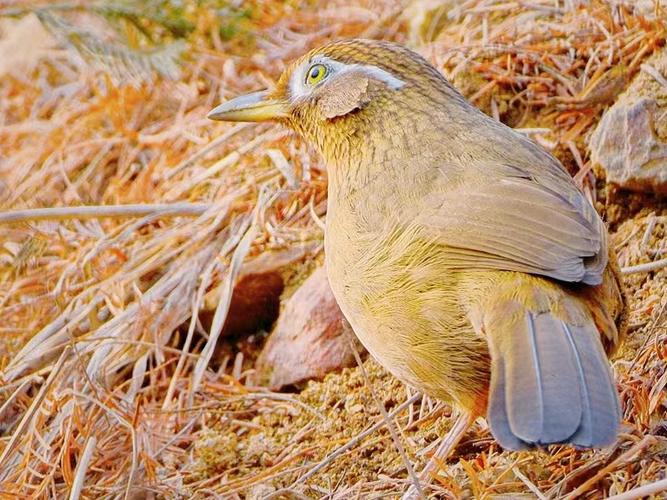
x,y
394,289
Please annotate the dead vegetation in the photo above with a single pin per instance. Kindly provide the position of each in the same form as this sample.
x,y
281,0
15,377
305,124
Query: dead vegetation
x,y
110,386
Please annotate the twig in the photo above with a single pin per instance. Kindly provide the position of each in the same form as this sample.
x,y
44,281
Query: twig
x,y
249,230
206,149
206,278
649,334
316,218
352,442
533,130
99,211
122,421
13,395
387,420
285,493
27,417
81,468
229,160
647,68
285,168
529,484
642,491
445,447
649,230
283,397
620,460
645,268
265,476
632,234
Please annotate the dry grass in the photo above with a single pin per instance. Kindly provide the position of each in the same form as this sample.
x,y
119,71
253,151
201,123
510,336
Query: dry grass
x,y
107,388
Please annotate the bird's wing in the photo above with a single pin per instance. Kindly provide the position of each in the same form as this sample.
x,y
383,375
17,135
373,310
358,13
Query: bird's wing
x,y
509,219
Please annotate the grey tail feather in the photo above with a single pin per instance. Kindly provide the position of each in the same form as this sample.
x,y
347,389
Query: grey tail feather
x,y
550,383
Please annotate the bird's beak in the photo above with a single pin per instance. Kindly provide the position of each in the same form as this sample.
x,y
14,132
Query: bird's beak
x,y
255,107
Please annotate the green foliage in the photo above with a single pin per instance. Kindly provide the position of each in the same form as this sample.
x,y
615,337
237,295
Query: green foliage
x,y
171,15
232,22
126,64
145,38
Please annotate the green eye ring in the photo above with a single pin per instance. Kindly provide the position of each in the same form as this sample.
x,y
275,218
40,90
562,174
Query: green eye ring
x,y
316,73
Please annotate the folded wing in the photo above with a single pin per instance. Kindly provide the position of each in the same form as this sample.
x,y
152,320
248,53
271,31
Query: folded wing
x,y
511,220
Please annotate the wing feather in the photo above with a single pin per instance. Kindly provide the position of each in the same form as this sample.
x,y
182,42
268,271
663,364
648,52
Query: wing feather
x,y
521,223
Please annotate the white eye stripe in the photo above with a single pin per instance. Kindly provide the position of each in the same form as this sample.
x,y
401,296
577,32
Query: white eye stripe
x,y
377,73
298,87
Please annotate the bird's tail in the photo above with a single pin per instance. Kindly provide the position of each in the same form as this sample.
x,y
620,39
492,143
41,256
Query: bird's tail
x,y
550,380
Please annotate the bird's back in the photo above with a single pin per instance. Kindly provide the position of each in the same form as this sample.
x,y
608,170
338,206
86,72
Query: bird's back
x,y
425,267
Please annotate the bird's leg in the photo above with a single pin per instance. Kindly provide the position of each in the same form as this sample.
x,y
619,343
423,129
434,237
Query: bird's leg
x,y
445,448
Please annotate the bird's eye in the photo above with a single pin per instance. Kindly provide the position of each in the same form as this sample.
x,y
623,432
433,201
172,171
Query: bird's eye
x,y
316,74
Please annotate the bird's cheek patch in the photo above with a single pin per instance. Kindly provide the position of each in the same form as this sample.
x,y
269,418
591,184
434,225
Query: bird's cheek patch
x,y
344,95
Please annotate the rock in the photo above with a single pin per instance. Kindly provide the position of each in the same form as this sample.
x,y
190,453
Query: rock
x,y
309,339
23,43
255,301
629,144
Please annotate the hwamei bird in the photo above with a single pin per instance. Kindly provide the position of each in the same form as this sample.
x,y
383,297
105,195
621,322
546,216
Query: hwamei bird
x,y
462,254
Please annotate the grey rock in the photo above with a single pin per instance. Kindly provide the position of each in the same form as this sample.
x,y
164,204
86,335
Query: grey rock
x,y
630,142
309,339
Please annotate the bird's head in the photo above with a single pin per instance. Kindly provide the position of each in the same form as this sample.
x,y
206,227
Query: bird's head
x,y
347,90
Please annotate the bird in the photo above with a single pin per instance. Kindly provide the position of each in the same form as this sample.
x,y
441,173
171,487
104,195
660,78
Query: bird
x,y
463,254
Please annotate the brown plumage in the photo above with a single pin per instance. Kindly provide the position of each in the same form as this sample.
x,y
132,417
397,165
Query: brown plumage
x,y
463,255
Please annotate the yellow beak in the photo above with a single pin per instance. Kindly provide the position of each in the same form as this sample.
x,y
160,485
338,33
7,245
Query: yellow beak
x,y
255,107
